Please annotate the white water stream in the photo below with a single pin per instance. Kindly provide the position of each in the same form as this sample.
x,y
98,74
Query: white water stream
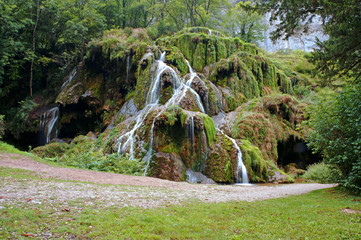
x,y
47,126
126,141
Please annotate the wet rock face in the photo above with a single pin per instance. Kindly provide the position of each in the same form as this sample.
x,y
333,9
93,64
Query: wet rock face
x,y
168,166
221,163
200,87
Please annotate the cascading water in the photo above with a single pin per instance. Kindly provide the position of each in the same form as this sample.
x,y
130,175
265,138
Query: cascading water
x,y
70,78
126,141
190,128
189,87
241,168
48,128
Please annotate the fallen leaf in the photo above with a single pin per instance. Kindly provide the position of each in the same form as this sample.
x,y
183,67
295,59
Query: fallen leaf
x,y
28,235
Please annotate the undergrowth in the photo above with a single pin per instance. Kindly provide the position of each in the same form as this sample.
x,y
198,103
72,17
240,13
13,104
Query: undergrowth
x,y
84,153
322,173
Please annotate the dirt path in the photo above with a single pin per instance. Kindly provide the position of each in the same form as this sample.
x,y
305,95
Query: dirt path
x,y
123,190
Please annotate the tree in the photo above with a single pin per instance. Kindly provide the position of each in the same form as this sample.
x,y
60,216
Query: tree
x,y
341,53
14,48
336,134
243,23
83,23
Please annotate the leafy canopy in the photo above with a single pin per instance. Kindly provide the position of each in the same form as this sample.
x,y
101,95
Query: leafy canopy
x,y
341,53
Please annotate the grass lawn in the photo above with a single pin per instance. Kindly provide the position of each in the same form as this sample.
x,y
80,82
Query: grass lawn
x,y
317,215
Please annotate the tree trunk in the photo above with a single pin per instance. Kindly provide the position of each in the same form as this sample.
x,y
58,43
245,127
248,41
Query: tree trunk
x,y
34,39
123,14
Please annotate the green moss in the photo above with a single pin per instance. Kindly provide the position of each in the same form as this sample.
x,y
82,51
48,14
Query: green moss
x,y
221,160
199,57
228,172
267,120
170,148
183,118
118,43
144,79
51,150
232,103
202,49
176,58
166,94
210,128
249,75
257,166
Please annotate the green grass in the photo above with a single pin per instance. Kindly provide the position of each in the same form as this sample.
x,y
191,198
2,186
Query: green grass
x,y
317,215
7,148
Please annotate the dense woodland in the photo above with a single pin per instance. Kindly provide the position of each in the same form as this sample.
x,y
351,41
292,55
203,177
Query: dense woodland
x,y
316,96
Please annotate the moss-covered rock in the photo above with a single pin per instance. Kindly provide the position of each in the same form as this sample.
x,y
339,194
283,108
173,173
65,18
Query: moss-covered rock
x,y
168,166
209,127
267,120
221,162
202,46
146,70
249,76
257,166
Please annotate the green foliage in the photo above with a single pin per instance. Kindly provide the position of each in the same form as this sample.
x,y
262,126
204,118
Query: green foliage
x,y
51,150
20,121
119,43
322,172
336,131
4,147
83,153
248,25
340,54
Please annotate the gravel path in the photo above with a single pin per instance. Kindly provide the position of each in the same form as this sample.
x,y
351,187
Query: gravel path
x,y
122,190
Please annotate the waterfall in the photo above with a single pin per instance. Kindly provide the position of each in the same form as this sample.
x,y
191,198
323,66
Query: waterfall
x,y
126,141
189,85
48,128
162,57
70,78
241,168
190,131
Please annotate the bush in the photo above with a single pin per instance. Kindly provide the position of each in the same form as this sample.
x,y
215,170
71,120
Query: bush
x,y
336,134
84,154
20,122
322,173
51,150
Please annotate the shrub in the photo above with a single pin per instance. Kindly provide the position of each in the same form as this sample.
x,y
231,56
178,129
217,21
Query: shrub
x,y
322,172
84,154
20,122
51,150
336,134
